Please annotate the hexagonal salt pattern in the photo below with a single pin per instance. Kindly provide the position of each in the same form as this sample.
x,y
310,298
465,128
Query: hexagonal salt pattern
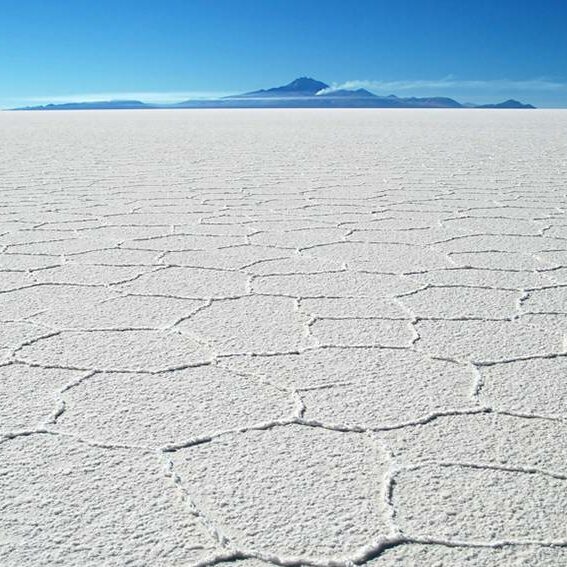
x,y
487,438
533,387
169,409
339,339
291,491
249,324
473,503
118,351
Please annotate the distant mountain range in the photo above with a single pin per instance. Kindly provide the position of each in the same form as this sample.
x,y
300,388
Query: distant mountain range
x,y
300,93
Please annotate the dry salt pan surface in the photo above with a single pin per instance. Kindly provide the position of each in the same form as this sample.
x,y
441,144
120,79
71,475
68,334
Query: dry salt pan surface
x,y
283,338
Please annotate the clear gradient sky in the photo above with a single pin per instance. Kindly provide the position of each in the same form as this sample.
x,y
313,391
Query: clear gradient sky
x,y
170,50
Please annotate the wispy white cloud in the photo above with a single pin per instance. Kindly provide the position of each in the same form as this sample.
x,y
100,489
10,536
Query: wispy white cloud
x,y
452,83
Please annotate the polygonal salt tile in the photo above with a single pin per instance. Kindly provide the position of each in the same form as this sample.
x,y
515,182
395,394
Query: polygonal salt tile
x,y
550,300
71,226
559,231
22,303
298,238
500,243
503,279
127,350
281,225
226,200
140,409
341,307
363,332
558,276
422,201
424,216
471,504
214,229
296,264
552,322
191,283
14,280
341,284
338,218
512,212
116,257
119,234
127,312
419,237
31,236
290,491
66,502
483,341
555,255
483,438
383,256
388,223
498,260
72,273
45,216
508,226
370,395
227,219
156,218
28,395
333,212
25,262
233,258
185,242
248,324
535,386
58,247
9,223
462,302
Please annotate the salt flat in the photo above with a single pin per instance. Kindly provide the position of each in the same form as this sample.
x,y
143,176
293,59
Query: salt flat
x,y
283,337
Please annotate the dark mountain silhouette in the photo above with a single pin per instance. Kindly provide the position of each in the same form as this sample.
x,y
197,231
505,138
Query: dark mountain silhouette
x,y
510,103
433,102
304,92
302,87
94,105
358,93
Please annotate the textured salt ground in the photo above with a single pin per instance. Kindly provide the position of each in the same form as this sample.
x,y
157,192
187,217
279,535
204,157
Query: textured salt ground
x,y
283,338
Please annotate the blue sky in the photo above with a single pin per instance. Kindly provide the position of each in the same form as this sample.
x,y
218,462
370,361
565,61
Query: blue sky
x,y
481,51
